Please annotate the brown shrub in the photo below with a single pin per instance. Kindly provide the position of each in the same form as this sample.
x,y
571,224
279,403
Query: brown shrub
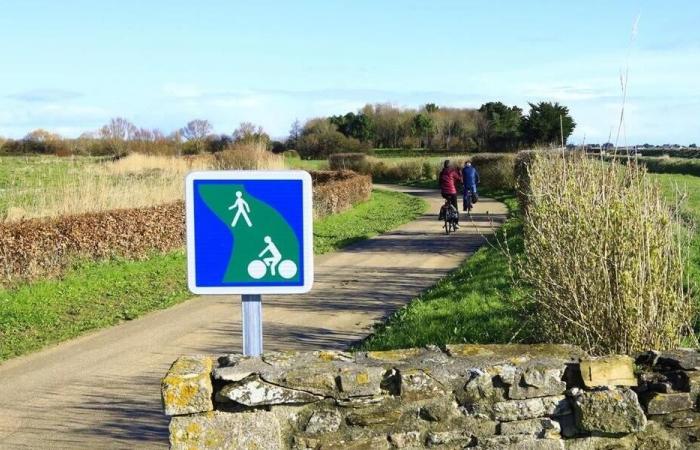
x,y
35,248
335,192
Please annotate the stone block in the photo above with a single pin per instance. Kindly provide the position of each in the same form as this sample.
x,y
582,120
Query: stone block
x,y
537,381
255,392
406,439
541,428
187,388
519,443
602,443
657,403
609,411
680,419
315,380
460,438
323,422
687,381
416,384
358,381
684,358
532,408
373,416
608,371
226,431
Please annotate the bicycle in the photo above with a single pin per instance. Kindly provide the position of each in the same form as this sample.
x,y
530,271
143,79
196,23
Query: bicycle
x,y
286,269
450,215
467,203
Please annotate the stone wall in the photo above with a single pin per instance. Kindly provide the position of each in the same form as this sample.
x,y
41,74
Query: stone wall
x,y
463,396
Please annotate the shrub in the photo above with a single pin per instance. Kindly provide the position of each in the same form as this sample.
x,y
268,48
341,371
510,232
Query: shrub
x,y
523,161
248,156
496,170
335,192
604,257
349,161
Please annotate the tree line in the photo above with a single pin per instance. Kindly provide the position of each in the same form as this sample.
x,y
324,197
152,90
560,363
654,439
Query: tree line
x,y
492,127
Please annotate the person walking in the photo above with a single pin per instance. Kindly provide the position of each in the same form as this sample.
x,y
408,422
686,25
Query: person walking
x,y
448,179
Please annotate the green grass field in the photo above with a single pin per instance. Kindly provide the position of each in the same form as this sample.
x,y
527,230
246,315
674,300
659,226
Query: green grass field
x,y
23,177
93,295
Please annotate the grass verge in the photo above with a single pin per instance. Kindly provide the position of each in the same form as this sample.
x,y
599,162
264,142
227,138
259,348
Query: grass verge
x,y
94,295
385,211
475,303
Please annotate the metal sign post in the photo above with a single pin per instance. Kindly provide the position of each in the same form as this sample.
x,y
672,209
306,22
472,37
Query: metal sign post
x,y
251,313
249,233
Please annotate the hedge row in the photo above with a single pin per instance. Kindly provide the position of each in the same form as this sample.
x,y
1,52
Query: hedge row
x,y
685,166
37,248
495,169
338,191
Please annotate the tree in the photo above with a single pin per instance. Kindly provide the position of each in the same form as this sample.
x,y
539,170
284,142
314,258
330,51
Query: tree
x,y
40,136
500,126
249,133
692,145
358,126
431,108
196,130
422,127
118,129
294,134
546,123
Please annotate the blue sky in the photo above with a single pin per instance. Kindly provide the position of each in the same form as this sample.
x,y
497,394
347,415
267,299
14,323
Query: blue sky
x,y
68,66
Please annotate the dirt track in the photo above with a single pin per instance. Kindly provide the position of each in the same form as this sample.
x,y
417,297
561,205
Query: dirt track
x,y
102,390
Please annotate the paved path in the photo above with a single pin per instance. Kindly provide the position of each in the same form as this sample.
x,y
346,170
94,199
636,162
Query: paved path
x,y
102,390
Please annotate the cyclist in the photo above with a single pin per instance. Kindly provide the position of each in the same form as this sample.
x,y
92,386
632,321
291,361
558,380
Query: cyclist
x,y
449,177
470,178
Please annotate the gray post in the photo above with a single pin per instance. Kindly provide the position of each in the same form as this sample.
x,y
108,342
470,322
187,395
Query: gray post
x,y
251,307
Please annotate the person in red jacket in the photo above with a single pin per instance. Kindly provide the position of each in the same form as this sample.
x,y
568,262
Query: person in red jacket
x,y
449,177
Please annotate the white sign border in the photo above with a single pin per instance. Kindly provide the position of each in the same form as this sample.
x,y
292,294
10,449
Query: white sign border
x,y
307,218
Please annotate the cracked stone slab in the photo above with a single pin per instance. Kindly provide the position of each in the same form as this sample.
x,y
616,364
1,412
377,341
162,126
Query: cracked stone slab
x,y
256,392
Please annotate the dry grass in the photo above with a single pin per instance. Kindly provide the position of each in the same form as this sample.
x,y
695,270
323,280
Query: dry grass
x,y
131,182
605,257
249,156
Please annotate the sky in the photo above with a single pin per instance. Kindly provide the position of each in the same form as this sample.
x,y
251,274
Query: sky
x,y
69,66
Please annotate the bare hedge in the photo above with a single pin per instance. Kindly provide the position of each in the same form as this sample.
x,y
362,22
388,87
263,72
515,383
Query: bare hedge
x,y
335,192
37,248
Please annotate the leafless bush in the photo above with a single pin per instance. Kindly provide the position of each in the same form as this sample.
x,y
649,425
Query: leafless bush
x,y
605,257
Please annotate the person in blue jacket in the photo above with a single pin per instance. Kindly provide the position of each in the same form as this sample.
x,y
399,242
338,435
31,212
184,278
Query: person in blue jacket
x,y
470,178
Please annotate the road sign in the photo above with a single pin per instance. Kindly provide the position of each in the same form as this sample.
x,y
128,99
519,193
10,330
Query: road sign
x,y
249,232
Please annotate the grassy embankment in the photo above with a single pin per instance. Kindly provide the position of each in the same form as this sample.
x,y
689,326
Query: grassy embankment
x,y
93,295
477,303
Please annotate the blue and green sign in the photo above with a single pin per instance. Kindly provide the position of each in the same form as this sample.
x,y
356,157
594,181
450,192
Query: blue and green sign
x,y
249,232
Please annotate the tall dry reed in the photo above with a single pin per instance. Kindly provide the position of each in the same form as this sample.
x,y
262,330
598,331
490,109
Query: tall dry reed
x,y
604,256
135,181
